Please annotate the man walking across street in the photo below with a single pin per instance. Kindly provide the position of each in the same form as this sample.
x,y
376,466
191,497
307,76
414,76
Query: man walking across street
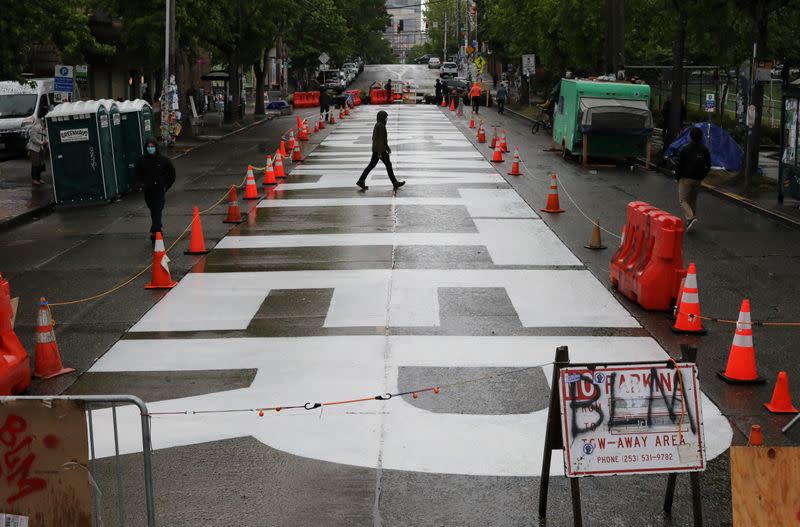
x,y
475,96
694,162
380,150
156,174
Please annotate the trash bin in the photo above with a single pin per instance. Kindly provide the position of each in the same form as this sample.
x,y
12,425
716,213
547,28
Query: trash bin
x,y
118,150
137,126
82,154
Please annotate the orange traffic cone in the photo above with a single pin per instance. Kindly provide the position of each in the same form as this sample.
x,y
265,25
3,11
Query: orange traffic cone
x,y
303,133
160,278
197,242
250,189
498,154
48,359
269,172
472,119
452,105
781,402
515,165
321,121
494,137
299,123
282,149
332,120
503,143
688,315
553,205
234,214
596,240
297,155
316,127
291,140
756,436
481,133
741,366
279,165
444,102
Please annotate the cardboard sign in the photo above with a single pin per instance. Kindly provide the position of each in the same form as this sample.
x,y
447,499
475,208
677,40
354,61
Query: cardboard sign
x,y
634,419
43,458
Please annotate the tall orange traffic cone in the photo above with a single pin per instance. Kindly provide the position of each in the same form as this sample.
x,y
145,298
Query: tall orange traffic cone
x,y
472,119
299,123
553,205
444,102
234,214
494,137
332,120
741,366
452,104
291,140
503,143
48,359
279,165
481,133
297,155
303,133
250,189
160,277
269,172
316,127
197,242
688,315
282,149
515,165
322,121
781,402
498,154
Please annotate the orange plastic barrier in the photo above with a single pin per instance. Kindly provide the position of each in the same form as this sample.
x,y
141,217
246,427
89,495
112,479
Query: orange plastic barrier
x,y
306,99
15,368
648,266
378,96
299,99
314,98
356,96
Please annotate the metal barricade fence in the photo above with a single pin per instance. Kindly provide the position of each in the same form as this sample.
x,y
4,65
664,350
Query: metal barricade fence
x,y
93,403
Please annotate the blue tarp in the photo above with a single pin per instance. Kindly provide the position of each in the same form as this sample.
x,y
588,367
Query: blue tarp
x,y
725,152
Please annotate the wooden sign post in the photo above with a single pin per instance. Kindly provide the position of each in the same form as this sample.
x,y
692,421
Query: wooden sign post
x,y
625,418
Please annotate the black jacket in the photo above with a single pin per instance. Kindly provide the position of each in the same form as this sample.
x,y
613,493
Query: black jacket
x,y
324,99
694,161
380,140
155,171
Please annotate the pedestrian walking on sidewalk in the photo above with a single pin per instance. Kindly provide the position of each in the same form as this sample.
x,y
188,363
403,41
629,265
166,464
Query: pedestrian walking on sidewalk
x,y
475,96
694,162
380,150
439,88
500,97
156,174
37,142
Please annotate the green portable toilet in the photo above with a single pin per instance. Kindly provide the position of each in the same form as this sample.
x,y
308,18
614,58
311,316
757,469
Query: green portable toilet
x,y
137,126
81,151
118,149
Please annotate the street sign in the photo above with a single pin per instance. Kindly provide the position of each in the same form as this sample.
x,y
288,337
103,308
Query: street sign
x,y
324,58
529,64
64,80
82,71
711,102
631,419
480,62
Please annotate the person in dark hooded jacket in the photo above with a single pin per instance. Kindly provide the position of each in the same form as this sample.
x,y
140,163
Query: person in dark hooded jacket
x,y
156,174
380,150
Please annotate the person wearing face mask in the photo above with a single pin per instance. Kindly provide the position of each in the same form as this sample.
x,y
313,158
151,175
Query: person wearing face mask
x,y
380,150
156,174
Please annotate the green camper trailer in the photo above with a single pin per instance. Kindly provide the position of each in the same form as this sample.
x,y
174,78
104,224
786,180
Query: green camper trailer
x,y
602,119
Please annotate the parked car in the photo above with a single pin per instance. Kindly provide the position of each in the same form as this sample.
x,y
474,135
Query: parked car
x,y
19,105
331,80
449,69
350,67
434,63
423,59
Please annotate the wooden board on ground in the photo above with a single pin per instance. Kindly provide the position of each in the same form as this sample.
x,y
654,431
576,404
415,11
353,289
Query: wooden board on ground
x,y
764,486
44,459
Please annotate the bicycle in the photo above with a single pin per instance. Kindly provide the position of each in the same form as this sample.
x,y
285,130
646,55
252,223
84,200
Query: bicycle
x,y
542,120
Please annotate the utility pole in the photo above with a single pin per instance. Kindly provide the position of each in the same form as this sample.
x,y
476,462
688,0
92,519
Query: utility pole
x,y
615,35
169,59
444,49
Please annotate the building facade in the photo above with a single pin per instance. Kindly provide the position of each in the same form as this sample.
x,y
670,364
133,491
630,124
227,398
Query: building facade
x,y
410,13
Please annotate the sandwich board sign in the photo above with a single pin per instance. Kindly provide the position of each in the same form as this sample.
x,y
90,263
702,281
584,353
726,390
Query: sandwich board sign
x,y
631,419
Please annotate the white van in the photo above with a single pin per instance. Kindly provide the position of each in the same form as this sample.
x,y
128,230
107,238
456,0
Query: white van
x,y
19,104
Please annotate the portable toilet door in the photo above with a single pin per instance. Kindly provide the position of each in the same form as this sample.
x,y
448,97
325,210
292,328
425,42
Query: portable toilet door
x,y
79,135
136,117
117,146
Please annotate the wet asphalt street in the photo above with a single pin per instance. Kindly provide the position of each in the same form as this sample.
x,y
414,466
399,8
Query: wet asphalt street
x,y
328,294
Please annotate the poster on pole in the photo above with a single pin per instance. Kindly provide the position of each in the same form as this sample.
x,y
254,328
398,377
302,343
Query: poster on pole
x,y
529,64
636,419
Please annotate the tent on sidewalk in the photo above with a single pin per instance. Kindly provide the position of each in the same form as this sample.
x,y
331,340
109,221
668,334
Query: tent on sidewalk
x,y
726,154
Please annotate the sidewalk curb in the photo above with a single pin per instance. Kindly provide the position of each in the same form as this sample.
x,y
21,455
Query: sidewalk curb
x,y
50,207
715,191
